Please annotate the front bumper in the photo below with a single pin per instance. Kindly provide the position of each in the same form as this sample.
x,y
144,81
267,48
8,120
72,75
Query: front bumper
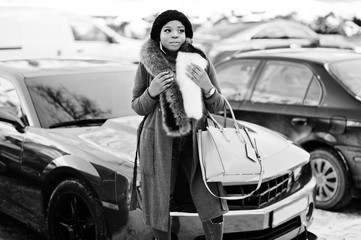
x,y
285,219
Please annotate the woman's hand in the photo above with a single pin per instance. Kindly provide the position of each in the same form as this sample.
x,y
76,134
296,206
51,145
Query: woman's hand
x,y
161,82
199,76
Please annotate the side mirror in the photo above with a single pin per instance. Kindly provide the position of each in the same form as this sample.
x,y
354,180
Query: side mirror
x,y
12,119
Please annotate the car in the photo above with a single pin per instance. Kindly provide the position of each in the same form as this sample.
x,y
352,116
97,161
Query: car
x,y
224,39
38,32
67,151
312,97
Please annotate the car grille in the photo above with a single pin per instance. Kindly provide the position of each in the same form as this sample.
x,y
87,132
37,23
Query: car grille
x,y
270,192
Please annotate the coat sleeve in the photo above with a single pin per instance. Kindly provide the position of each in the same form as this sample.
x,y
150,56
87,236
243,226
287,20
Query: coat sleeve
x,y
142,102
215,103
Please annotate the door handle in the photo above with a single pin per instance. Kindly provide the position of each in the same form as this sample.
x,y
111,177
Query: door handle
x,y
299,121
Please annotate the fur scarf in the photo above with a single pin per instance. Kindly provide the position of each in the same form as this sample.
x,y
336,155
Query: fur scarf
x,y
183,101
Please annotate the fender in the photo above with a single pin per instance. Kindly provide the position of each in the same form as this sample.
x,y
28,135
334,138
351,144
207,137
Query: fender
x,y
102,180
69,164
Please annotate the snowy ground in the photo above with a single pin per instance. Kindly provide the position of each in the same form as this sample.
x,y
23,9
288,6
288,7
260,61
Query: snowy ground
x,y
343,225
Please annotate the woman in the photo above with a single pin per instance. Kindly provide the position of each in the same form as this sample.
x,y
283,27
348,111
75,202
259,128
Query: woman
x,y
173,116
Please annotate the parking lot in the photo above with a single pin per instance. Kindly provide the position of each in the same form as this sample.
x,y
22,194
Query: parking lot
x,y
38,130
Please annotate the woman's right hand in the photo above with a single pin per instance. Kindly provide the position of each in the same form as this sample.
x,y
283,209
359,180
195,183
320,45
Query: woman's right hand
x,y
160,83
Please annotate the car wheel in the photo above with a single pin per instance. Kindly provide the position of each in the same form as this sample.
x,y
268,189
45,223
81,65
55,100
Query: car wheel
x,y
333,185
73,213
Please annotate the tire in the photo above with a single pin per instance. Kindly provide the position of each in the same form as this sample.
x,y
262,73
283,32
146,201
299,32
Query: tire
x,y
73,213
333,189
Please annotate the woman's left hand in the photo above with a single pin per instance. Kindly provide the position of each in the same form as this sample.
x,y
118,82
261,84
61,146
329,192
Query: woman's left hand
x,y
199,76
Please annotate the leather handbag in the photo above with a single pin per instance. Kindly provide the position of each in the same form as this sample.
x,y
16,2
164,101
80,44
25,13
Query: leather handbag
x,y
228,155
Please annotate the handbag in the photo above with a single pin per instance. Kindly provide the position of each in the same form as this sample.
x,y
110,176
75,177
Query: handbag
x,y
228,155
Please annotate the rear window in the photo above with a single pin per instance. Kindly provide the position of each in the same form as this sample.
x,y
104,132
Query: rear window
x,y
349,74
224,30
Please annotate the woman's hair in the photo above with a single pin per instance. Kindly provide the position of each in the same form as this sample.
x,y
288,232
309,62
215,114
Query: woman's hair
x,y
166,17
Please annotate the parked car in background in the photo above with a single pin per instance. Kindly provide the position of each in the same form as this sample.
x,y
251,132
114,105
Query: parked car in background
x,y
312,96
45,32
224,39
67,145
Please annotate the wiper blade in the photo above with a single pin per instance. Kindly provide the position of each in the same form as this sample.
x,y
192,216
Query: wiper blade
x,y
79,123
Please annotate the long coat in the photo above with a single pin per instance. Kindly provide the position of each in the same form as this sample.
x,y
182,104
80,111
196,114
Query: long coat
x,y
155,153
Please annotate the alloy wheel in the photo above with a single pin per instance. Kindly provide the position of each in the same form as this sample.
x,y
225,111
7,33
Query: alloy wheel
x,y
326,178
74,219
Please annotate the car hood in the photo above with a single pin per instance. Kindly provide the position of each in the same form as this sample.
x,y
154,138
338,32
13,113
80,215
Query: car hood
x,y
115,143
279,154
112,144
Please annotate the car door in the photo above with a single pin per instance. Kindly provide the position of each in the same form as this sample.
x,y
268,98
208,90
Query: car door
x,y
10,150
20,154
281,95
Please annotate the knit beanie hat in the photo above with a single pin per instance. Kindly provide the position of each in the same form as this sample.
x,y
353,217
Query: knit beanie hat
x,y
166,17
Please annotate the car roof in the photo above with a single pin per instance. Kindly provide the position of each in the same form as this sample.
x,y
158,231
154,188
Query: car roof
x,y
320,55
29,68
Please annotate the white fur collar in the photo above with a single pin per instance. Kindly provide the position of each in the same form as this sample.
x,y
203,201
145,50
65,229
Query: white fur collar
x,y
191,92
182,101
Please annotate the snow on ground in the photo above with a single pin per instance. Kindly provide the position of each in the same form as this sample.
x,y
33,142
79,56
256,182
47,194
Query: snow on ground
x,y
342,225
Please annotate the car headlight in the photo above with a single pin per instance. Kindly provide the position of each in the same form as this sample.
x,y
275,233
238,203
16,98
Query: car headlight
x,y
301,176
297,173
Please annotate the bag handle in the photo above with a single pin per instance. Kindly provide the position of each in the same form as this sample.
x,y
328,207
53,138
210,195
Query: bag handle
x,y
235,123
254,146
134,193
233,117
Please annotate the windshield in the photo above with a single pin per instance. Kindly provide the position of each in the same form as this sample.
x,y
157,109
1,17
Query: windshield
x,y
224,30
349,73
67,98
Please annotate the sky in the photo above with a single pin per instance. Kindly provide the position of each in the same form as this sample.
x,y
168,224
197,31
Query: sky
x,y
133,9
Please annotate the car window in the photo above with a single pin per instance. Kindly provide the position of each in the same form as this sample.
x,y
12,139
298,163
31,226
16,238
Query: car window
x,y
272,32
9,99
225,30
10,35
85,31
284,31
349,73
284,83
314,93
299,32
234,78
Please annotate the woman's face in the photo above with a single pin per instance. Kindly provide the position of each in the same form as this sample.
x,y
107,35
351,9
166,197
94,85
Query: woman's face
x,y
173,35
